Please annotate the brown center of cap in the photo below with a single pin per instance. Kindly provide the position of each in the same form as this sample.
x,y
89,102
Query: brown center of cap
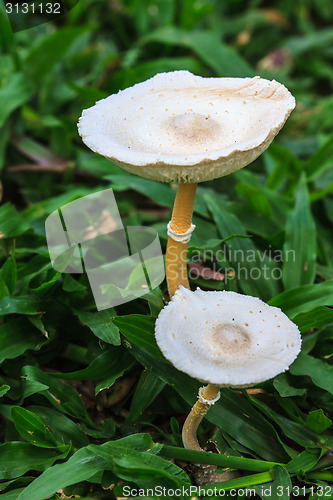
x,y
192,128
228,339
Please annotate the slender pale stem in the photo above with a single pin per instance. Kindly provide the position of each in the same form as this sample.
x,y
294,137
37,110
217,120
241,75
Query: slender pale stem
x,y
176,253
199,410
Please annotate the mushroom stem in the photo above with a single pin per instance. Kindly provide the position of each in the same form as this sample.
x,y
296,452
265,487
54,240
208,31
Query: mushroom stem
x,y
203,473
207,396
176,253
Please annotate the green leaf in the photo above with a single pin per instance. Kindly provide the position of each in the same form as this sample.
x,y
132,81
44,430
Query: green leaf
x,y
281,486
42,209
37,152
120,364
3,389
38,267
4,140
6,33
16,92
16,336
320,160
160,193
299,262
255,198
17,458
320,372
294,430
31,387
253,430
155,301
9,273
72,285
31,427
26,304
80,467
12,495
316,318
304,298
175,430
94,164
283,387
314,40
97,368
140,330
50,51
222,59
305,461
64,430
4,292
240,483
284,165
108,366
139,442
244,257
145,469
317,421
101,325
14,483
38,323
46,286
147,390
11,222
62,396
83,465
221,460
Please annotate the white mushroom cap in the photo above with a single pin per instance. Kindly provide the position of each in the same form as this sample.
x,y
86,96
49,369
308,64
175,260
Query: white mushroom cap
x,y
178,126
226,338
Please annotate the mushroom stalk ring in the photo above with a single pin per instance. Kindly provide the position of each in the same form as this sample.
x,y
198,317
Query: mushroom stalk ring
x,y
181,237
206,401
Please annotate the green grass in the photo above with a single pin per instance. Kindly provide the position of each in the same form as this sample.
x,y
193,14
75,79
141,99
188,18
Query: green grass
x,y
89,405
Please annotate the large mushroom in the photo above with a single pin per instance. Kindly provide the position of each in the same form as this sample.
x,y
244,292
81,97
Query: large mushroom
x,y
226,340
181,127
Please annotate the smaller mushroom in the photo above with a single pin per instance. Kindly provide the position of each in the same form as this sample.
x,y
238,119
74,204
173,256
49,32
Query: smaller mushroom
x,y
225,339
